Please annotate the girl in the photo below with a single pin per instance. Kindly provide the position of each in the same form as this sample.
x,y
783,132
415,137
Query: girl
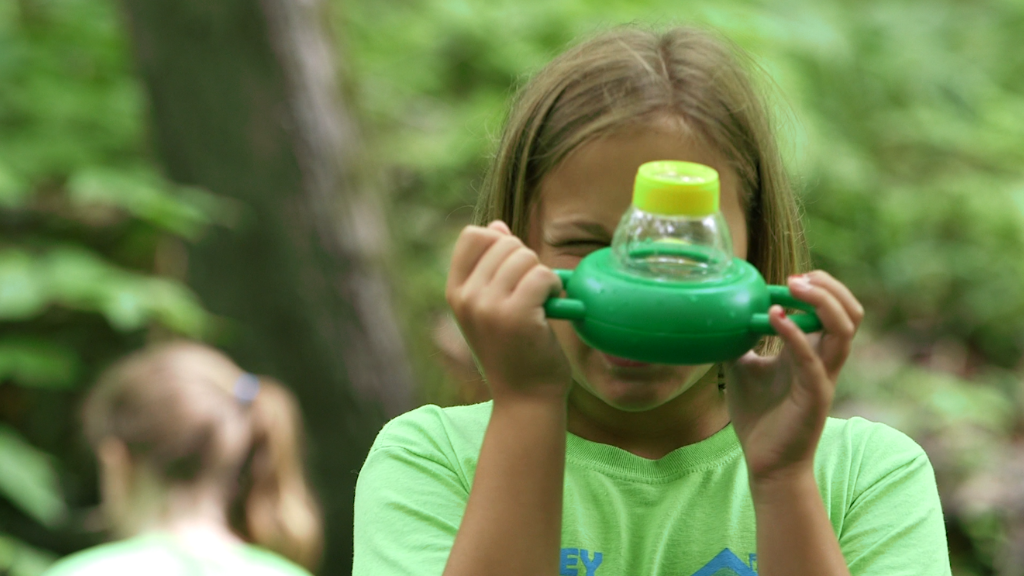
x,y
585,464
197,458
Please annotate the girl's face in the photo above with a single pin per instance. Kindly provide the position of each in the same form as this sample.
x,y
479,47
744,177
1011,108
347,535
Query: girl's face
x,y
579,206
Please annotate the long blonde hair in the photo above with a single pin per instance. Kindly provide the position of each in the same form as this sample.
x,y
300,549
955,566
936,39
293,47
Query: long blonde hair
x,y
176,409
630,76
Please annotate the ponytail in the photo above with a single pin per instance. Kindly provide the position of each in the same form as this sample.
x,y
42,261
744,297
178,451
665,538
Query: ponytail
x,y
275,508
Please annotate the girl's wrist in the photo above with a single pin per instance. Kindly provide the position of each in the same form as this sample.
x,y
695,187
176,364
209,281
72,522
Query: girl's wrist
x,y
782,487
543,404
553,392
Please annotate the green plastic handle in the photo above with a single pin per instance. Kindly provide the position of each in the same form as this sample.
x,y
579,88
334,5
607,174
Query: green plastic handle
x,y
808,321
564,308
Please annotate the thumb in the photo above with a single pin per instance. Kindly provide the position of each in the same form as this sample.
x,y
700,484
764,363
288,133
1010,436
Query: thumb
x,y
500,226
751,362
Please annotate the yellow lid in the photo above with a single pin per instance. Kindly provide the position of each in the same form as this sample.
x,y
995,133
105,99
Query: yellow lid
x,y
676,188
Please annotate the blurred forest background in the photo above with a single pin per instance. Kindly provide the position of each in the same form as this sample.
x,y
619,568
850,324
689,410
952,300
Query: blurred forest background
x,y
285,180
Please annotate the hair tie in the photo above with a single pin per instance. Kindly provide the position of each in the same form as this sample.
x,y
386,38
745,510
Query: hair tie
x,y
246,388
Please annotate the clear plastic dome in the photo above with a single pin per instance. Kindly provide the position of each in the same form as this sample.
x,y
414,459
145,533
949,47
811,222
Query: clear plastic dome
x,y
681,248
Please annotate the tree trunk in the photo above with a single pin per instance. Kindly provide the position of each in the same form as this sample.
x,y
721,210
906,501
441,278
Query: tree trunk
x,y
245,103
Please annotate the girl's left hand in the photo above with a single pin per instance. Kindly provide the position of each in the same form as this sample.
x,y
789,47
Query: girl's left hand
x,y
778,404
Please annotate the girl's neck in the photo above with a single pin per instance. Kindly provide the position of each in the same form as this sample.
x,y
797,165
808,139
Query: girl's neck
x,y
194,516
200,533
695,415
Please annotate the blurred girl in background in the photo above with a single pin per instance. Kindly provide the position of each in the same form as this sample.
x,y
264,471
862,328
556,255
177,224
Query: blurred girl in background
x,y
200,470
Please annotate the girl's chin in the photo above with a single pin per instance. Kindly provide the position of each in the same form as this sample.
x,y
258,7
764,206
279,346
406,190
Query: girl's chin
x,y
638,387
635,395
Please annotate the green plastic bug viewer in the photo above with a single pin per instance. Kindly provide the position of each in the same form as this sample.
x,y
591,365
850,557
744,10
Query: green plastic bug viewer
x,y
669,290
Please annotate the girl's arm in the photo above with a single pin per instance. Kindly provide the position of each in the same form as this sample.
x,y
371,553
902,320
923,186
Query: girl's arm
x,y
794,533
512,523
778,407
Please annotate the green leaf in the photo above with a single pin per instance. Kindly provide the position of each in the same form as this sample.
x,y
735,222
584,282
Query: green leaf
x,y
176,307
13,189
22,293
40,364
1018,199
20,559
128,300
28,479
74,277
78,278
181,210
124,306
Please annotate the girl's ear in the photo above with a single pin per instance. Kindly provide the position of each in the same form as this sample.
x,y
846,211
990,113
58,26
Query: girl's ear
x,y
117,478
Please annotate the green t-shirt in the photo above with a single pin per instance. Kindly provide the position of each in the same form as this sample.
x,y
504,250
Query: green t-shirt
x,y
159,554
687,514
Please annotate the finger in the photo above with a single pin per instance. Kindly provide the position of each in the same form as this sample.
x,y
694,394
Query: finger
x,y
473,242
853,306
751,362
813,378
536,286
513,269
832,314
499,226
489,263
839,328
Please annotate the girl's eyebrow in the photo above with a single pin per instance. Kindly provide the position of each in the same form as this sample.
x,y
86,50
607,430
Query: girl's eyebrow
x,y
565,228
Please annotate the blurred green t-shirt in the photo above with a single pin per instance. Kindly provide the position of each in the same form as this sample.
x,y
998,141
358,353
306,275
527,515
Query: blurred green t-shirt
x,y
161,555
687,514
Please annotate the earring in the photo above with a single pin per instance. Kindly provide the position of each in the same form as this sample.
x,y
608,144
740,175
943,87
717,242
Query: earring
x,y
721,378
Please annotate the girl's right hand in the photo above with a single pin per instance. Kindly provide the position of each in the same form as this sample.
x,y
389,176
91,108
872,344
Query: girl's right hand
x,y
497,288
